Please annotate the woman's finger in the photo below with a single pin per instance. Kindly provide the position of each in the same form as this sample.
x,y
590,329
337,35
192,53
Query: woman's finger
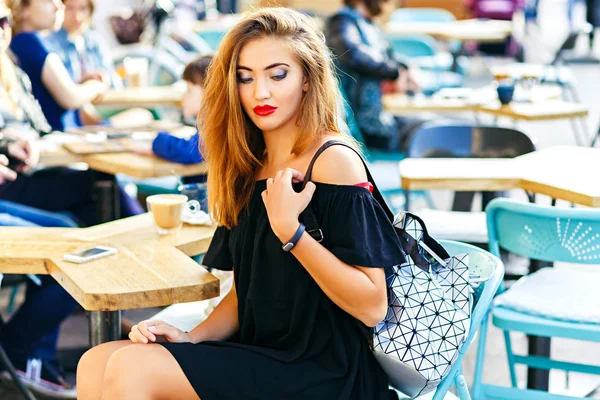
x,y
269,183
144,330
167,331
278,175
296,175
136,336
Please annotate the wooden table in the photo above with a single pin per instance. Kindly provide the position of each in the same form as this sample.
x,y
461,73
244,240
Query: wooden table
x,y
128,163
152,96
540,111
149,270
479,100
543,107
131,164
462,30
561,172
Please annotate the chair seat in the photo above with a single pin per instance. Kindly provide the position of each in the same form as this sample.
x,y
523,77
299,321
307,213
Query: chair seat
x,y
455,225
568,295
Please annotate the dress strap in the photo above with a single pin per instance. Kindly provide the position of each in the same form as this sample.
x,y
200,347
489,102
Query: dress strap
x,y
308,215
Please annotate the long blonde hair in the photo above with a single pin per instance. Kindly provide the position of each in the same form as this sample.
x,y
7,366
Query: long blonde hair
x,y
231,144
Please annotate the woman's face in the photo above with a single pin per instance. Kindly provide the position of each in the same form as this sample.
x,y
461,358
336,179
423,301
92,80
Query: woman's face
x,y
271,84
78,14
42,15
5,23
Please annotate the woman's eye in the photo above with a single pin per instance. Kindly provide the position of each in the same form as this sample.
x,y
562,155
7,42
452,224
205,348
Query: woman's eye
x,y
241,79
279,76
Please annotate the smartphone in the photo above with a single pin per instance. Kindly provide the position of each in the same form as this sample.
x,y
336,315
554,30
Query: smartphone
x,y
90,254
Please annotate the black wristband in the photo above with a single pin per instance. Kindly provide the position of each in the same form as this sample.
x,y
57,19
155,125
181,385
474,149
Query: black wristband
x,y
292,242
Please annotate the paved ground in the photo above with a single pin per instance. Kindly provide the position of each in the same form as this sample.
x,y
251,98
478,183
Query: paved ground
x,y
540,44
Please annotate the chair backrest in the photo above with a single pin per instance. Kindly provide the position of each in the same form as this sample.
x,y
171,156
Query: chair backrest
x,y
413,46
422,15
570,42
454,140
544,233
489,268
213,38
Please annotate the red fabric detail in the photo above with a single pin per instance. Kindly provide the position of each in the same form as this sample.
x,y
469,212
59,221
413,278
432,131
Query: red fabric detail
x,y
366,185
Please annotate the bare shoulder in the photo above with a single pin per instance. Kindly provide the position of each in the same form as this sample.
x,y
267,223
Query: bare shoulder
x,y
339,165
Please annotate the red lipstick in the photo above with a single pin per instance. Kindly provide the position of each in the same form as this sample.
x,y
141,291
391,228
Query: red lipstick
x,y
263,111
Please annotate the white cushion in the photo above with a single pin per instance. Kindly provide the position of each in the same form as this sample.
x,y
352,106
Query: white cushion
x,y
565,294
455,225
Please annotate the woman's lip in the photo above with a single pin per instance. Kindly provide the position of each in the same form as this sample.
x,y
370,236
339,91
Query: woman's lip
x,y
263,111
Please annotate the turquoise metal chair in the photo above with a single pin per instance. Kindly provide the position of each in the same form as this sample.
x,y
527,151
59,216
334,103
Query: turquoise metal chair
x,y
422,51
213,38
546,234
432,15
491,270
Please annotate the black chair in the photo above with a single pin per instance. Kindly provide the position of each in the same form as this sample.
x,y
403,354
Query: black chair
x,y
459,140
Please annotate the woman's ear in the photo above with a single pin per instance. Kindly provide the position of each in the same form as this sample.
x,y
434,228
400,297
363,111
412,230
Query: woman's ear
x,y
305,85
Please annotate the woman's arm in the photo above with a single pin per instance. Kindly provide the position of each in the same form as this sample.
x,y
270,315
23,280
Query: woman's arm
x,y
67,93
360,291
222,323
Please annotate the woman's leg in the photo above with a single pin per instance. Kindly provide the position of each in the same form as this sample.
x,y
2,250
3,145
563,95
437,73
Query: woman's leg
x,y
123,370
90,370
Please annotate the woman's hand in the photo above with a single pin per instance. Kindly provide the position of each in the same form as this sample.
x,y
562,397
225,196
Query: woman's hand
x,y
283,204
150,331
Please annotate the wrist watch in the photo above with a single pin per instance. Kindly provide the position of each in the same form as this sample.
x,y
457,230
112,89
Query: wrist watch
x,y
292,242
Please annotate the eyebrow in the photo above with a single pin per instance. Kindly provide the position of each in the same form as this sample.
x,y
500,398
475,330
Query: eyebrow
x,y
275,65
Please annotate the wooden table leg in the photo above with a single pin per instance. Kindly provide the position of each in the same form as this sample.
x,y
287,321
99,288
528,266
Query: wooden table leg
x,y
105,326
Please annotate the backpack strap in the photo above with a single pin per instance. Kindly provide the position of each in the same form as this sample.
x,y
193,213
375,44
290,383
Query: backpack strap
x,y
309,216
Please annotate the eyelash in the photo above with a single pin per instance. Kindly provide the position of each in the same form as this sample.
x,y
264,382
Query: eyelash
x,y
278,77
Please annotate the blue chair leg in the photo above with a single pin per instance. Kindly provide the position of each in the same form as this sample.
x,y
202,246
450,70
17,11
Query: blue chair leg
x,y
461,386
478,376
13,297
429,200
511,359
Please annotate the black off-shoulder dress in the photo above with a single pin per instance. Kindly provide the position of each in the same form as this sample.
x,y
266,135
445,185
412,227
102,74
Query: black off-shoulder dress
x,y
293,341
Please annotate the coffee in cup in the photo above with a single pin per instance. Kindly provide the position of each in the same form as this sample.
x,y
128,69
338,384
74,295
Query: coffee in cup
x,y
166,210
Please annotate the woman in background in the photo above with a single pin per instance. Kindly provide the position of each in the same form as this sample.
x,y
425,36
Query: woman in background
x,y
60,97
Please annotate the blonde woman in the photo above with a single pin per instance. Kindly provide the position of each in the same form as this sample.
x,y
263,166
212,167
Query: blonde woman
x,y
60,97
296,323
